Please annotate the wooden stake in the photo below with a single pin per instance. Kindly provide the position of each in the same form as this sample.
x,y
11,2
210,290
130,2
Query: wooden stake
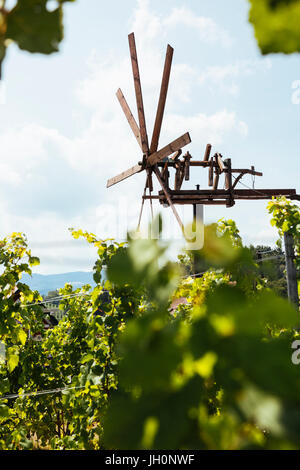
x,y
211,173
228,175
187,159
217,173
207,153
291,269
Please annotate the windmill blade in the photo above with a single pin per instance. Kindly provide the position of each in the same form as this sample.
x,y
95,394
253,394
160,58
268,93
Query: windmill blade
x,y
138,93
169,149
129,116
162,99
122,176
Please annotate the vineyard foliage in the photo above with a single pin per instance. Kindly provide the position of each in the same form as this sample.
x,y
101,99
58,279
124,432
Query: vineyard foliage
x,y
214,373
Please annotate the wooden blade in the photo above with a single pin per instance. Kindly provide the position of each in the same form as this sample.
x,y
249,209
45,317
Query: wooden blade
x,y
122,176
138,93
169,149
162,99
129,116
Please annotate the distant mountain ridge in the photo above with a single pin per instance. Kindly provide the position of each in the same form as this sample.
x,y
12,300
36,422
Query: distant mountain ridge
x,y
45,283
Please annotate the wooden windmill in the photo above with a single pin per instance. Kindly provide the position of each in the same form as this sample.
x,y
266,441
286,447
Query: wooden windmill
x,y
158,162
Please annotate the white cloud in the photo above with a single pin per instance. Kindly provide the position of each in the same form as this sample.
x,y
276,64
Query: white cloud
x,y
204,128
208,30
145,23
149,26
227,76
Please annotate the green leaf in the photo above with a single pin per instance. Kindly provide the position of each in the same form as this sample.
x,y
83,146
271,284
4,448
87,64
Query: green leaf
x,y
266,309
276,24
34,28
150,353
12,358
22,336
4,412
87,358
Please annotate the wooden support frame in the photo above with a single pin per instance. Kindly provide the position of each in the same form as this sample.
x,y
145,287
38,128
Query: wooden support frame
x,y
169,156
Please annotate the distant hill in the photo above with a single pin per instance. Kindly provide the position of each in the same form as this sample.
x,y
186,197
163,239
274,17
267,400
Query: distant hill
x,y
45,283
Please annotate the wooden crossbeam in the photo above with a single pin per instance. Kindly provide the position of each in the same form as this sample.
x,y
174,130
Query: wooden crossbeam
x,y
138,93
162,100
245,171
222,197
201,163
126,174
169,149
236,192
129,116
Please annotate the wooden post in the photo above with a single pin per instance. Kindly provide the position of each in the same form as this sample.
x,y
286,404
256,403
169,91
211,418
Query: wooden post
x,y
197,217
228,175
211,173
291,269
187,159
228,182
207,153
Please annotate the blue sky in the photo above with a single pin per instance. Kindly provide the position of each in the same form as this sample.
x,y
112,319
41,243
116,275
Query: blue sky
x,y
62,133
